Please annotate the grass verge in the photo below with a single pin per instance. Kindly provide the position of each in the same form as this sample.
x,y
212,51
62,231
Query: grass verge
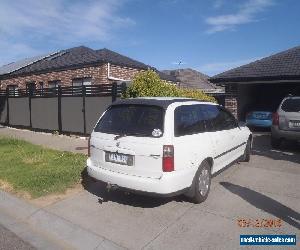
x,y
36,170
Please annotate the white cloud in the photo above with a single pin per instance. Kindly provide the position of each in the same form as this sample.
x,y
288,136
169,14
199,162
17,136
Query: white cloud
x,y
245,14
11,51
219,67
59,21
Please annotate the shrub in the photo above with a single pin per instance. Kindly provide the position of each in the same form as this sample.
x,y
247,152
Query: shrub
x,y
148,83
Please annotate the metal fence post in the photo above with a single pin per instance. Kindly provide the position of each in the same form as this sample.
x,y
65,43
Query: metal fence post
x,y
114,91
59,109
29,100
7,106
83,108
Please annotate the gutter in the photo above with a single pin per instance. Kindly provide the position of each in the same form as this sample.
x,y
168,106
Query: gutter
x,y
222,81
114,78
213,91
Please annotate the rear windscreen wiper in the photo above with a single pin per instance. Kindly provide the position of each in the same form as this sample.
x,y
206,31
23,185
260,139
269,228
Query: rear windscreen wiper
x,y
130,134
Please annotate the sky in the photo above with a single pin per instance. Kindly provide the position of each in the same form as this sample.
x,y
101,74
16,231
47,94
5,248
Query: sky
x,y
210,36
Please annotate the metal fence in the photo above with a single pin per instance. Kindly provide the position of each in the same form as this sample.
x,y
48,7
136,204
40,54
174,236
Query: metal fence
x,y
69,109
63,109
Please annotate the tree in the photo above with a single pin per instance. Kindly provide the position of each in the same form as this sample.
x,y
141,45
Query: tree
x,y
148,83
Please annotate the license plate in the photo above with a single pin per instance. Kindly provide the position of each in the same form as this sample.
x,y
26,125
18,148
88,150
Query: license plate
x,y
260,117
295,124
118,158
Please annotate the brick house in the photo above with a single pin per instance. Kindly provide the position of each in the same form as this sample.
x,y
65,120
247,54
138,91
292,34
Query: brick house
x,y
76,66
261,85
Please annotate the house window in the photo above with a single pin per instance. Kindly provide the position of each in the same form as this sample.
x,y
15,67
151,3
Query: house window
x,y
85,81
30,86
54,84
12,89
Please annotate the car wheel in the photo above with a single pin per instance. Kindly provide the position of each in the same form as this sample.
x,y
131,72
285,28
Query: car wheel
x,y
275,143
202,183
247,152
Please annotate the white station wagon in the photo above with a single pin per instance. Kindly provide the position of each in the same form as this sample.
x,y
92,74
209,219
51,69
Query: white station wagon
x,y
165,146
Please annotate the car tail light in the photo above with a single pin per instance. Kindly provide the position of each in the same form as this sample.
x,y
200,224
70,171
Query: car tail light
x,y
168,158
275,119
89,147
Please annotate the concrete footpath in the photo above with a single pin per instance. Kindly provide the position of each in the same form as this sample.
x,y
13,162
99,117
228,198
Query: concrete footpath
x,y
266,188
45,230
74,144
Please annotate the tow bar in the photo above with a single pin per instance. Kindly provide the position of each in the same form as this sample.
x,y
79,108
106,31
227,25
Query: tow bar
x,y
111,187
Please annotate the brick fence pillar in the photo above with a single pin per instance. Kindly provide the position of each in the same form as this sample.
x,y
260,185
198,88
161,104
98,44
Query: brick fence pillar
x,y
231,104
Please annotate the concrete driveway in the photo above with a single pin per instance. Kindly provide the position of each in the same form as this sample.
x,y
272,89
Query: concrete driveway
x,y
266,188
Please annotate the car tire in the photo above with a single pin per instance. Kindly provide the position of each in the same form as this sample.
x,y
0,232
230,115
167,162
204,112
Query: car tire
x,y
202,183
247,152
275,143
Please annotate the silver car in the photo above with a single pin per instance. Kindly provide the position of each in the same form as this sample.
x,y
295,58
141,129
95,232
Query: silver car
x,y
286,121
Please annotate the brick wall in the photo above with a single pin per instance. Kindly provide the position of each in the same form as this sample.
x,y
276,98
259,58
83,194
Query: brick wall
x,y
97,73
124,73
231,104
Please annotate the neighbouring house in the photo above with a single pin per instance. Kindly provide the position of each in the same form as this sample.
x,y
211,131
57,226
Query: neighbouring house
x,y
72,67
261,85
190,78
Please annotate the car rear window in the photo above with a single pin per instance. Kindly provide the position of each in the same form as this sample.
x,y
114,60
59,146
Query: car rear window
x,y
291,105
138,120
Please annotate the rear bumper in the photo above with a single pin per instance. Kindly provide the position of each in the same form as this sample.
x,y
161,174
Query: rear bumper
x,y
259,123
285,134
167,185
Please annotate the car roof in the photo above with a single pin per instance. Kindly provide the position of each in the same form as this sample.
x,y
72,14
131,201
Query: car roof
x,y
163,102
292,97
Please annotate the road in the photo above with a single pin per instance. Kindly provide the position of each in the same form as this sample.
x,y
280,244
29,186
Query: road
x,y
10,241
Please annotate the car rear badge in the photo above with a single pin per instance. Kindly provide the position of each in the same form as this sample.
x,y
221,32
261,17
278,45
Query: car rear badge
x,y
156,132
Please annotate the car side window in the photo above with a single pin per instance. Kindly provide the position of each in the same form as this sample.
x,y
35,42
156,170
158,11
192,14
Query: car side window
x,y
228,121
218,118
189,119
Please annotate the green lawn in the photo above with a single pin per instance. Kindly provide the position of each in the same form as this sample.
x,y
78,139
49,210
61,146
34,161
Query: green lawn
x,y
37,170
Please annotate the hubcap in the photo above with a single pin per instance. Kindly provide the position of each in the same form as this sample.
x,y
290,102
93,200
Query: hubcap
x,y
203,182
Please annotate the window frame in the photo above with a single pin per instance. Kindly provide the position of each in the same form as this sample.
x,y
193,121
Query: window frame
x,y
56,82
81,79
15,89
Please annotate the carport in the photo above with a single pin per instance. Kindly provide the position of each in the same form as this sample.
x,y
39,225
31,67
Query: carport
x,y
261,85
263,96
